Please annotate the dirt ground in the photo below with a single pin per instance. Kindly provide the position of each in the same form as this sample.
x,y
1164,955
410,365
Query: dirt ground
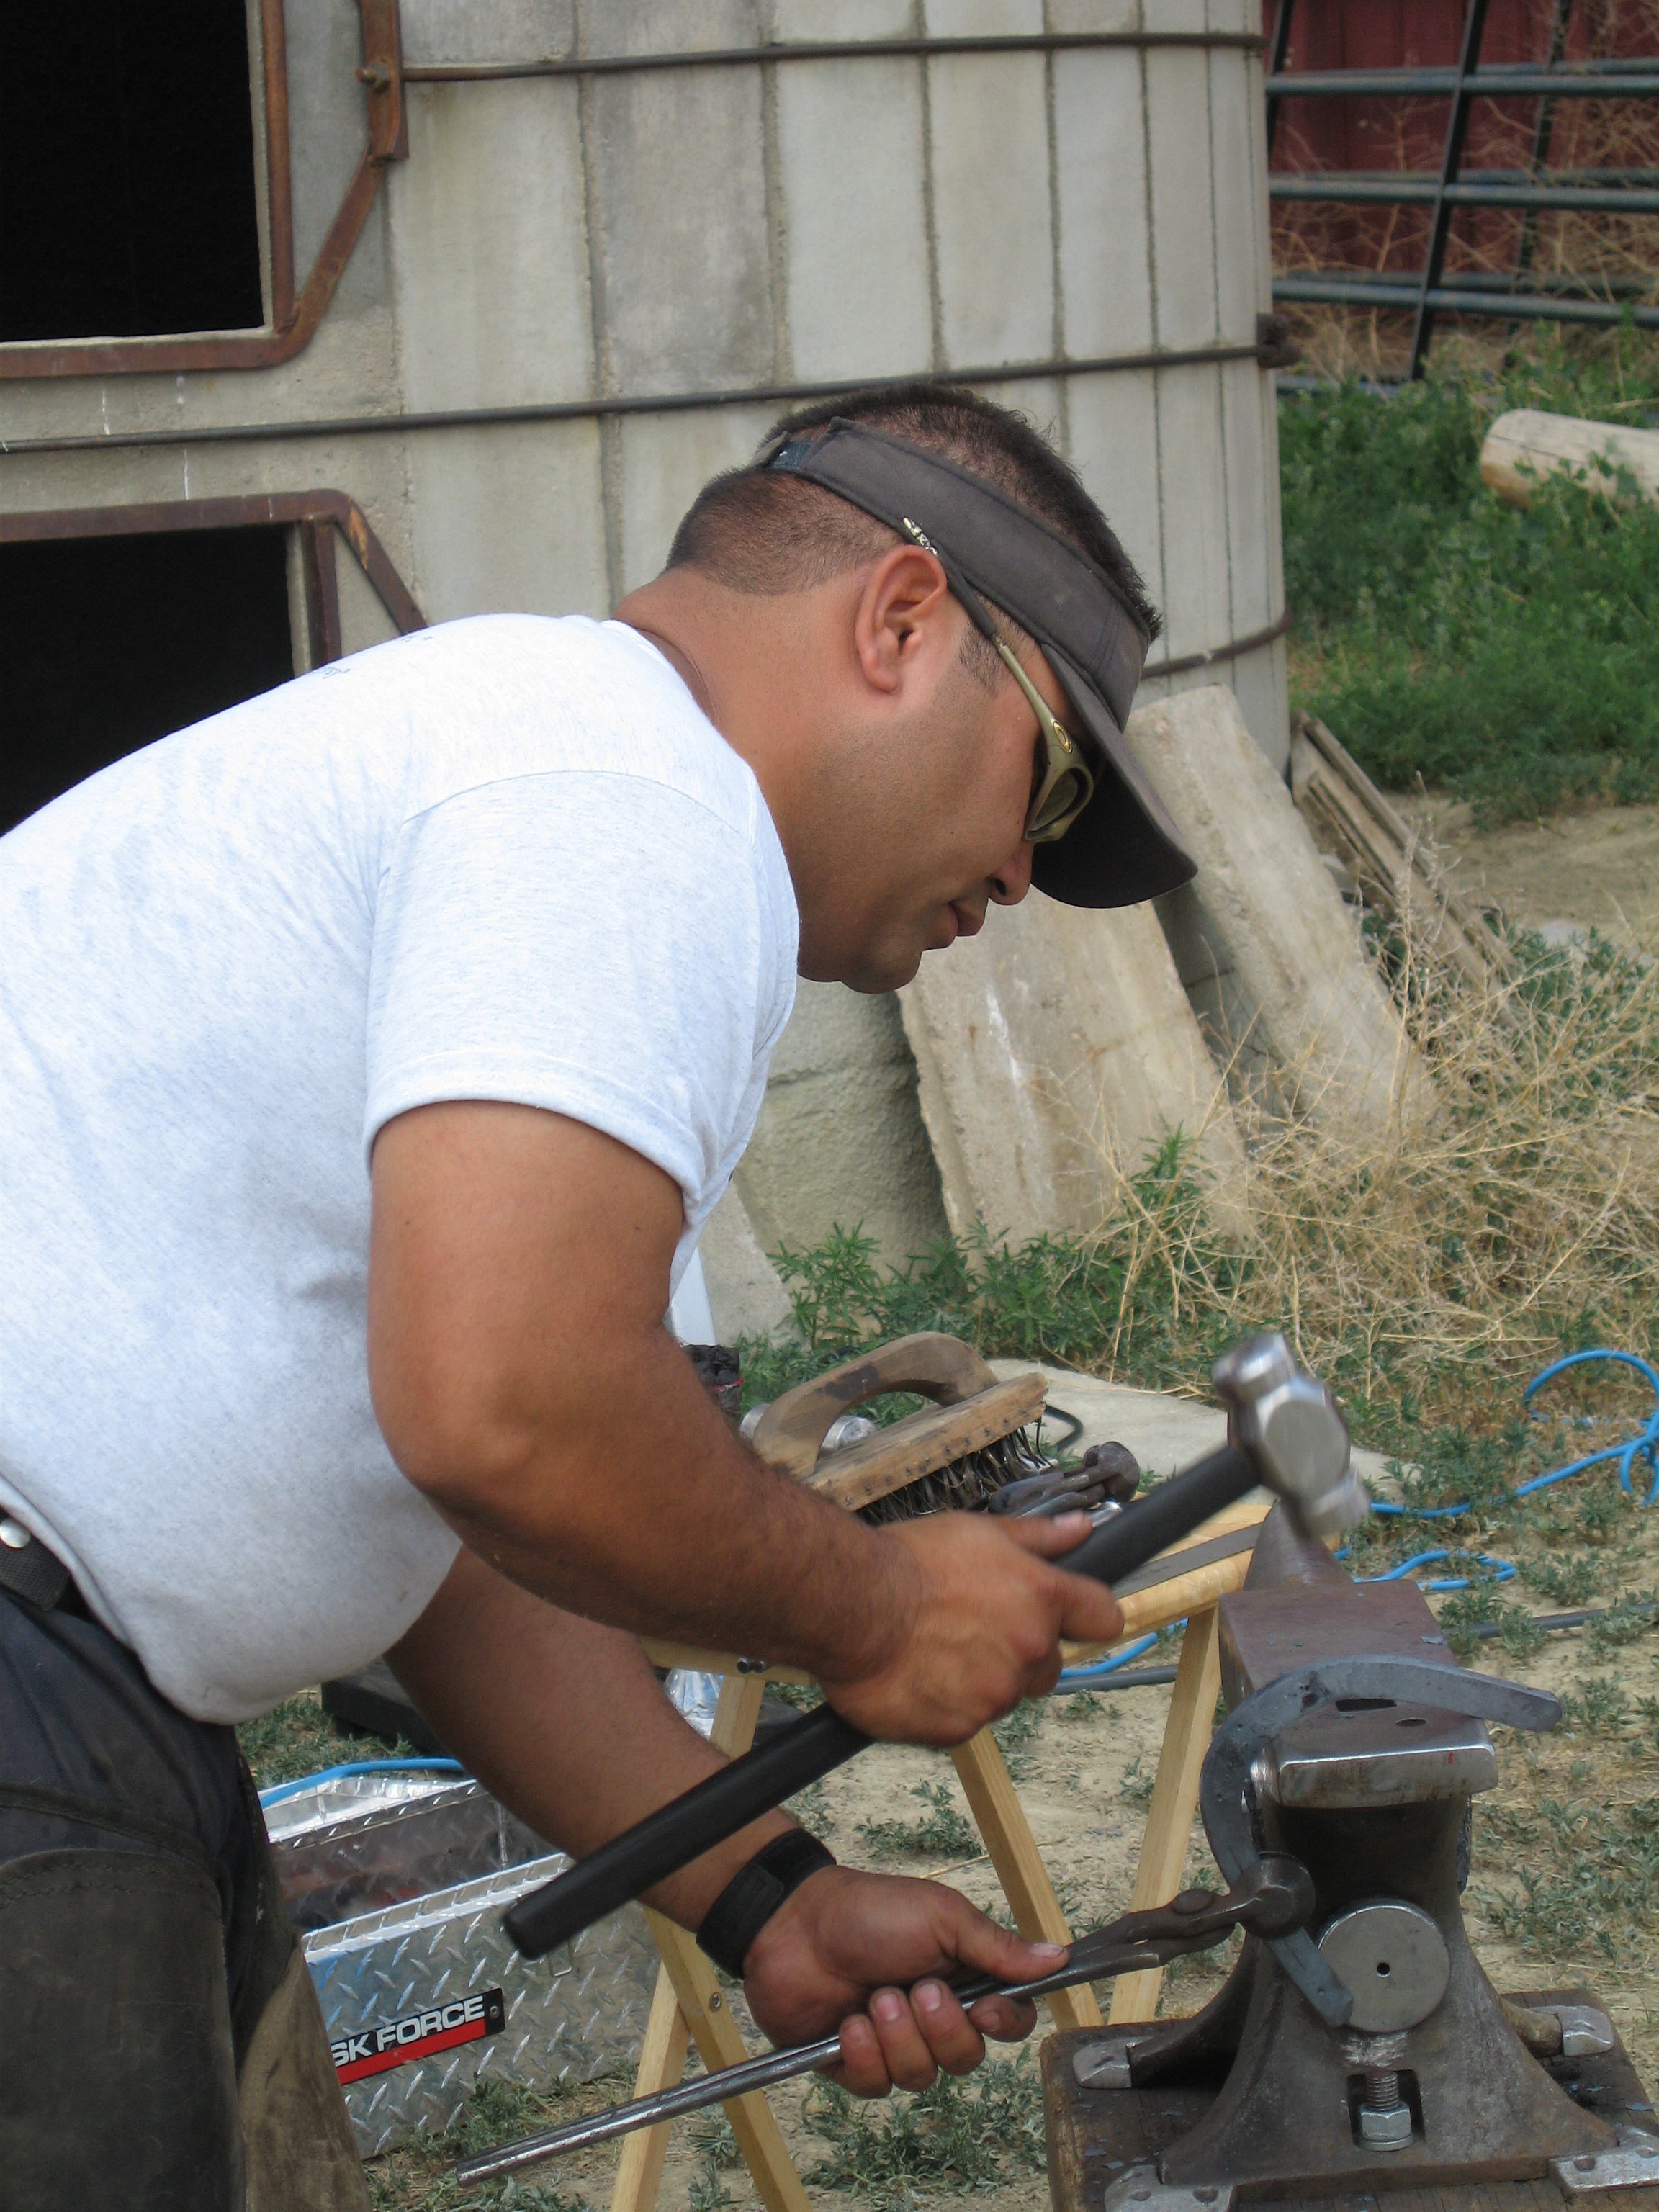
x,y
1598,869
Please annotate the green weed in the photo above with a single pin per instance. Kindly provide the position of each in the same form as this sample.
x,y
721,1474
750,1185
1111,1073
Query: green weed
x,y
1631,1618
419,2173
976,2134
1136,1787
1054,1298
1585,1878
298,1738
942,1833
1600,1707
1465,1610
1570,1583
1017,1735
1511,656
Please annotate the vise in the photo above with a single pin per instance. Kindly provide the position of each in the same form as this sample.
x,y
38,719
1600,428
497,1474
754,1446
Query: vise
x,y
1367,2052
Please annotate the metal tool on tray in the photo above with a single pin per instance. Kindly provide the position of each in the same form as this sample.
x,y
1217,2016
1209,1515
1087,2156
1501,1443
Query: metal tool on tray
x,y
1273,1897
1284,1431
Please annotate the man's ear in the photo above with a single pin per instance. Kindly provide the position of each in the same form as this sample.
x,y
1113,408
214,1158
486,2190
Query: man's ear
x,y
903,612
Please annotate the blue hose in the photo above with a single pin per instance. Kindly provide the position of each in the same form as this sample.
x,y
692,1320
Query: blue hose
x,y
1502,1570
1644,1444
1079,1678
283,1789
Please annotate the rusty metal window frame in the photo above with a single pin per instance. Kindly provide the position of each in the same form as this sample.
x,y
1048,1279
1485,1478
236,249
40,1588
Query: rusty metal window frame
x,y
318,516
293,318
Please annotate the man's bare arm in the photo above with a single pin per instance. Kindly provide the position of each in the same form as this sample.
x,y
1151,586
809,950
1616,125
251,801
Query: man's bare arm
x,y
563,1720
524,1381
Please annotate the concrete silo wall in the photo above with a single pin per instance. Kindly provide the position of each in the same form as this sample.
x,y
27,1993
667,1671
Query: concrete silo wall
x,y
559,252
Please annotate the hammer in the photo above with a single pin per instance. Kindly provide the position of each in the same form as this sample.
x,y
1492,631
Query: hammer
x,y
1284,1430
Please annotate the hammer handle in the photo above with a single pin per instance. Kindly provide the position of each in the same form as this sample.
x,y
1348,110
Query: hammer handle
x,y
681,1831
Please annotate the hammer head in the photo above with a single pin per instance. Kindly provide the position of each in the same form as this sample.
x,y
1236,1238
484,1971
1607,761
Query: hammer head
x,y
1287,1423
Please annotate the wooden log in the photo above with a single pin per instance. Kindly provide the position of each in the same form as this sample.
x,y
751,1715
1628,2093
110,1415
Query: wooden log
x,y
1526,445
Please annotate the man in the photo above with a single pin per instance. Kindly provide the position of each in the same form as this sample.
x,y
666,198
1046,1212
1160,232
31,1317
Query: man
x,y
376,1051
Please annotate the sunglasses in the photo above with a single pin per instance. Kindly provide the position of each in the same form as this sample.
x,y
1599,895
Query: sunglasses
x,y
1065,785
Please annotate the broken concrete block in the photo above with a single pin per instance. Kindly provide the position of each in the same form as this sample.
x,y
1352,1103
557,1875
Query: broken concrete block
x,y
1271,958
1054,1051
745,1292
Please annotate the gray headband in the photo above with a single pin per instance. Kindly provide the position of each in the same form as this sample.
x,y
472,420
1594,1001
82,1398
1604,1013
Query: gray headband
x,y
1123,848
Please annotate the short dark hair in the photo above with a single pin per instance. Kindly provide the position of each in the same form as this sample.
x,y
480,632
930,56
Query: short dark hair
x,y
765,533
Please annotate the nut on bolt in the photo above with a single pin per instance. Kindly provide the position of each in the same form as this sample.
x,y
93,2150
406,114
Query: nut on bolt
x,y
1287,1419
1385,2121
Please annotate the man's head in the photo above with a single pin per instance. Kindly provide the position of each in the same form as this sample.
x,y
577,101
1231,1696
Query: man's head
x,y
911,736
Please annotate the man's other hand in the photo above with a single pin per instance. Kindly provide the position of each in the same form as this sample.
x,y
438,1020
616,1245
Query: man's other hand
x,y
989,1611
874,1953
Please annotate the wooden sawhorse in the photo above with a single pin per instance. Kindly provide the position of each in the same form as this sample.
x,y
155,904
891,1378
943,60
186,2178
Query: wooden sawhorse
x,y
689,2006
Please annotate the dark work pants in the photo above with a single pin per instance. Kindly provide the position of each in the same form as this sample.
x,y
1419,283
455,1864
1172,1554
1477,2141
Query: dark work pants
x,y
145,1951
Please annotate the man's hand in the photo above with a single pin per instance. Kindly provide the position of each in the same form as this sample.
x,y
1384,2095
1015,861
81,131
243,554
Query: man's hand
x,y
523,1379
988,1615
871,1952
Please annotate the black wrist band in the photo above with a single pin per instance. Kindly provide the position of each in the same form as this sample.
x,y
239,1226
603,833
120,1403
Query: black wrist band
x,y
754,1894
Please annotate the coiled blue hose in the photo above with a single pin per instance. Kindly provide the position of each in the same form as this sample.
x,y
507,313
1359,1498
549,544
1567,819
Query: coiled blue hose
x,y
1644,1444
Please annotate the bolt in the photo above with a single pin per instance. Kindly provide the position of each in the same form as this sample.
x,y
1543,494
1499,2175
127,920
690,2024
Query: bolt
x,y
1385,2119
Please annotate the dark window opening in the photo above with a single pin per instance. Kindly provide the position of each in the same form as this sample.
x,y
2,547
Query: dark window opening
x,y
126,171
112,643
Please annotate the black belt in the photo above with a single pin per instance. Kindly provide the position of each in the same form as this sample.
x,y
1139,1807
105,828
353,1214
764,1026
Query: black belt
x,y
30,1571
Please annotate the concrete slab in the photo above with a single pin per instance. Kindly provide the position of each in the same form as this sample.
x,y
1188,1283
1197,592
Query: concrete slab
x,y
839,1142
746,1295
678,225
992,212
858,291
1164,1430
1105,256
492,313
1053,1051
1271,957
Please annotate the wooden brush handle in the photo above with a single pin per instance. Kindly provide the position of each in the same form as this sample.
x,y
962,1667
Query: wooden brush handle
x,y
790,1433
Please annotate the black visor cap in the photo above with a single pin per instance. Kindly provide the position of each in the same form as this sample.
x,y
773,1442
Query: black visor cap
x,y
1123,848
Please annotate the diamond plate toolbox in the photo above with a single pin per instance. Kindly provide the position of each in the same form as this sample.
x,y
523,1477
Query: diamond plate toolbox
x,y
422,1992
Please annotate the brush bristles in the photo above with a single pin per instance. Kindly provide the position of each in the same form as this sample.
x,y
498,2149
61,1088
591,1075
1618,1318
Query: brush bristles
x,y
964,1484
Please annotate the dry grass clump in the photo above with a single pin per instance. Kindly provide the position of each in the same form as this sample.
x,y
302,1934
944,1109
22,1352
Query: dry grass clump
x,y
1509,1206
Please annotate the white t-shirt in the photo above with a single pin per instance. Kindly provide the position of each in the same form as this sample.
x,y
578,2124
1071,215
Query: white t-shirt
x,y
506,858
